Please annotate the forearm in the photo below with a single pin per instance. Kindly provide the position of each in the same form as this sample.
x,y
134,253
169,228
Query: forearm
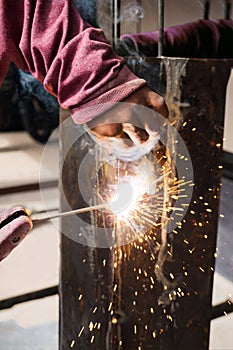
x,y
199,39
73,60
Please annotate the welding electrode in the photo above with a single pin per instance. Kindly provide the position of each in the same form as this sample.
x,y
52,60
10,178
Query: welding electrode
x,y
15,223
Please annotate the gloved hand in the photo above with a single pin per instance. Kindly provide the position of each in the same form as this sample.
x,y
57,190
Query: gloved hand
x,y
14,226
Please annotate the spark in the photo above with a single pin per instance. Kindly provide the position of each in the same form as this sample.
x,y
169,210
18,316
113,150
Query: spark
x,y
114,320
169,318
72,344
92,339
139,198
81,331
139,207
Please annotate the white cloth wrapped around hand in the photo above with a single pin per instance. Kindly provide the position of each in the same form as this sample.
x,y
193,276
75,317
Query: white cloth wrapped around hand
x,y
129,148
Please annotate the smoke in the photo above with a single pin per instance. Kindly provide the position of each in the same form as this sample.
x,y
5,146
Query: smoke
x,y
131,12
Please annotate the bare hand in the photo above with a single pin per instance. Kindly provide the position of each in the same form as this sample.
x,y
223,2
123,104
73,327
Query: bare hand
x,y
127,121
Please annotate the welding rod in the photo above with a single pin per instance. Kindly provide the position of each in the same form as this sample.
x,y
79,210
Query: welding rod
x,y
14,225
68,213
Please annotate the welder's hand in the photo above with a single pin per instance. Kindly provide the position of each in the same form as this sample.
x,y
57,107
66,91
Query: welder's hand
x,y
14,226
126,120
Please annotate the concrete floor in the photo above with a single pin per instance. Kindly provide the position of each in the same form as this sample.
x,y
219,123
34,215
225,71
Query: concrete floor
x,y
34,264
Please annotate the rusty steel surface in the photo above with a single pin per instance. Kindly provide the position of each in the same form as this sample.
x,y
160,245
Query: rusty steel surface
x,y
129,297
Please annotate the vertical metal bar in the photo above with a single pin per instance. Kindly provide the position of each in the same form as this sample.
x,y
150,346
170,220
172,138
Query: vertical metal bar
x,y
139,20
206,10
161,27
227,14
116,27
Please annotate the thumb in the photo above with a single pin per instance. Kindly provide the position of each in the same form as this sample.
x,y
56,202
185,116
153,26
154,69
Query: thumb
x,y
156,102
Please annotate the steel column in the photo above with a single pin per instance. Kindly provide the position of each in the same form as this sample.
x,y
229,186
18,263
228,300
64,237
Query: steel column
x,y
114,298
161,27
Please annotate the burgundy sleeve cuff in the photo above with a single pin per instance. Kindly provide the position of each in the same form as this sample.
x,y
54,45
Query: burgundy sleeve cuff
x,y
125,84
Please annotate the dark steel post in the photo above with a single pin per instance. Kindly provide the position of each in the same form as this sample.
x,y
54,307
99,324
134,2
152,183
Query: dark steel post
x,y
161,27
227,14
206,10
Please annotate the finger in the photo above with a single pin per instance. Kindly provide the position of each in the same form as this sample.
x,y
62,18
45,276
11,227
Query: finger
x,y
136,134
157,103
108,130
146,119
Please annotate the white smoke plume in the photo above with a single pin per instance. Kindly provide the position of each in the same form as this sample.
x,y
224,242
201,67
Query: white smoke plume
x,y
131,12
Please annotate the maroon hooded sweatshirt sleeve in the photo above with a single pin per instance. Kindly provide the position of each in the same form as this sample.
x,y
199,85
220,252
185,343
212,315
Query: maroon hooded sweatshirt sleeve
x,y
199,39
72,59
